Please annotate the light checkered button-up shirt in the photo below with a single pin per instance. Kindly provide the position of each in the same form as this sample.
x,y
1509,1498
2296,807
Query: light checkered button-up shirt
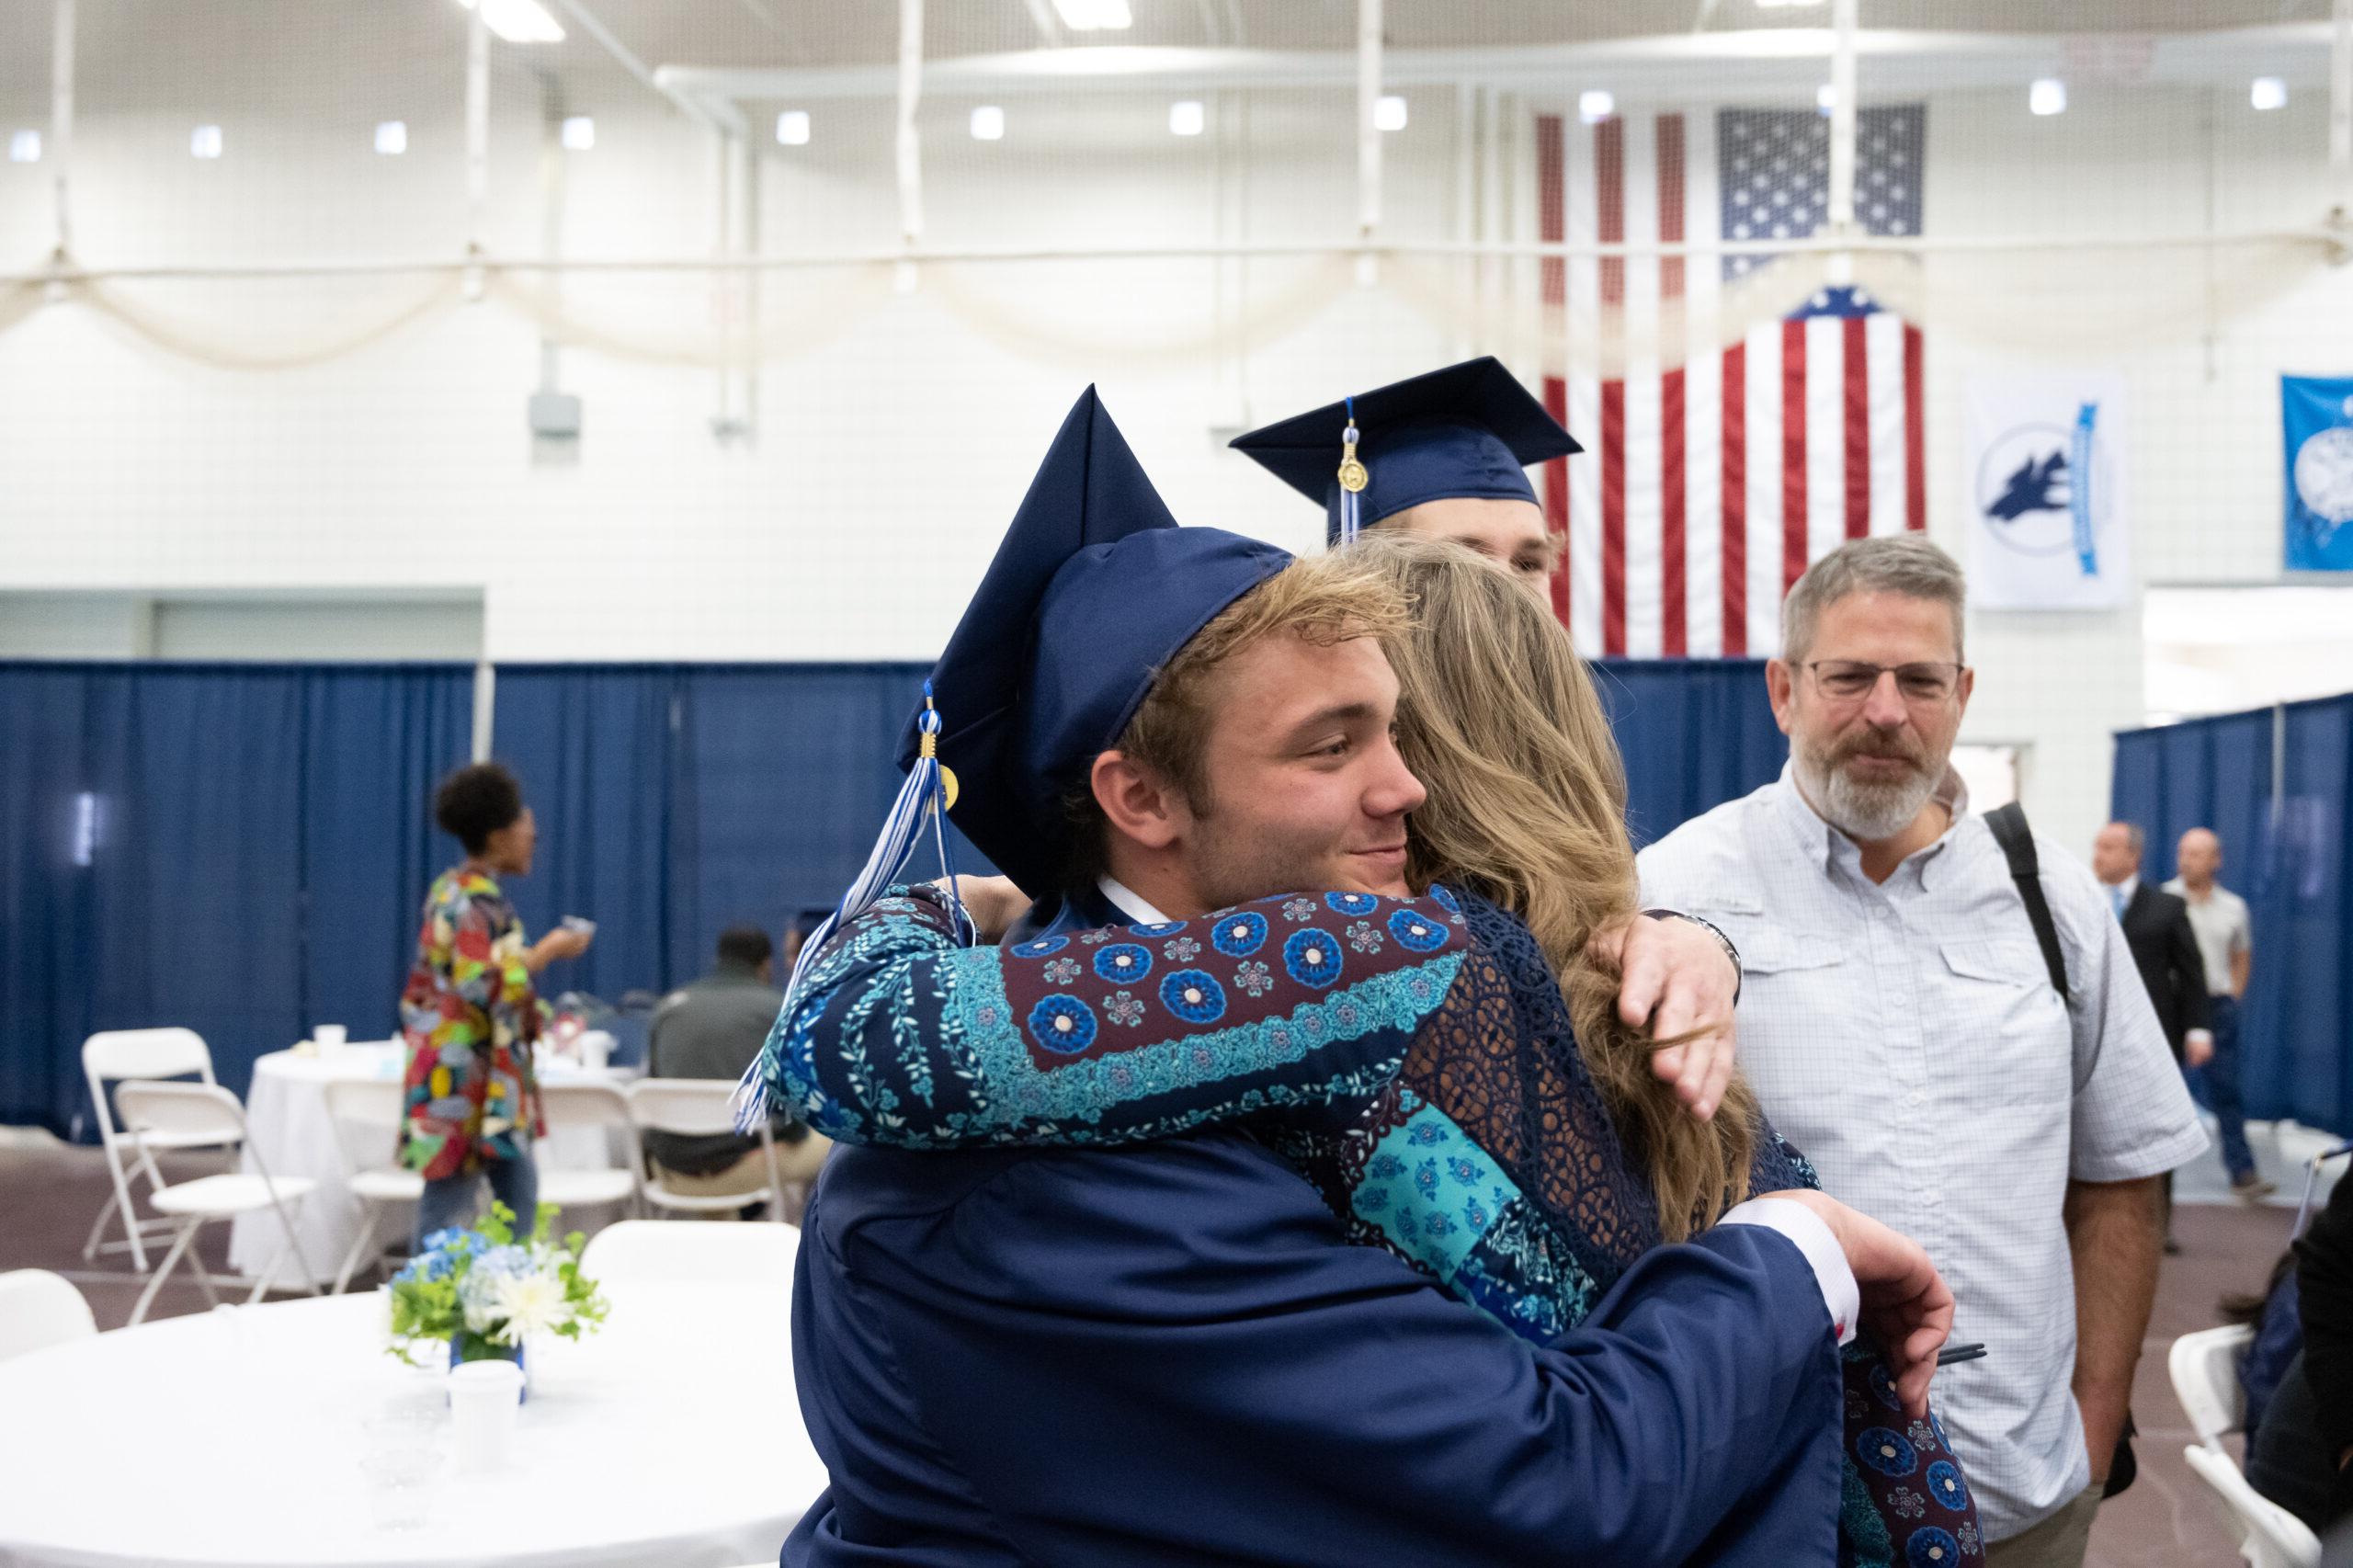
x,y
1905,1036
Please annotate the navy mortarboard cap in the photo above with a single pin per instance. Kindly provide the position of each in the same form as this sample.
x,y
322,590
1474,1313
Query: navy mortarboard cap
x,y
1094,589
1469,429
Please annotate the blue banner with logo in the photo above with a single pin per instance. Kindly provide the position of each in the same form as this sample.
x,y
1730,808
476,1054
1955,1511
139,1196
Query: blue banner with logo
x,y
2316,420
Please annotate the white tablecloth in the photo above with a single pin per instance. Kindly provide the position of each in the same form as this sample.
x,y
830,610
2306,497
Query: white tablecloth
x,y
286,1121
670,1437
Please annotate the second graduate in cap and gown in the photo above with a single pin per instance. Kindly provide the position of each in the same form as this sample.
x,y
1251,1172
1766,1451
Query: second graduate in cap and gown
x,y
1171,1353
1445,454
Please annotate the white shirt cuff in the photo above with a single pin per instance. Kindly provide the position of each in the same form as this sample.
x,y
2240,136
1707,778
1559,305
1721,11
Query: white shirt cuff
x,y
1811,1233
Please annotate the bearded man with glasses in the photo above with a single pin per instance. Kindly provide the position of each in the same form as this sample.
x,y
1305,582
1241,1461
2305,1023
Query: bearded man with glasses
x,y
1903,1023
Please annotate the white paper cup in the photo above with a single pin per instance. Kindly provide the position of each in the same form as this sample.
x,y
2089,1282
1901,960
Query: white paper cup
x,y
596,1049
484,1399
330,1037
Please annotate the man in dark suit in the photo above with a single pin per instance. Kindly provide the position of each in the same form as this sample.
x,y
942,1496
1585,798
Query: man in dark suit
x,y
2156,927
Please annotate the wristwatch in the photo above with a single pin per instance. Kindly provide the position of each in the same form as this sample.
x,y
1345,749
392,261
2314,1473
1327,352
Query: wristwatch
x,y
1712,929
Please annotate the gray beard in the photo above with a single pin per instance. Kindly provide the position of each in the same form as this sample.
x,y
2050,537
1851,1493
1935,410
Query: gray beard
x,y
1869,814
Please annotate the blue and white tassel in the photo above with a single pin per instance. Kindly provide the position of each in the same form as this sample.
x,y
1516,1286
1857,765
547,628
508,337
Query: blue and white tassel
x,y
1353,479
929,790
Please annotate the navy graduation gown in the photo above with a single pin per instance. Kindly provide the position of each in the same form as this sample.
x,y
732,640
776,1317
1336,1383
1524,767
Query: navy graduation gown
x,y
1170,1354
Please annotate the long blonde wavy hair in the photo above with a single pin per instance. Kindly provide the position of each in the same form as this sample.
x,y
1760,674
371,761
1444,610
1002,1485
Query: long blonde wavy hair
x,y
1498,717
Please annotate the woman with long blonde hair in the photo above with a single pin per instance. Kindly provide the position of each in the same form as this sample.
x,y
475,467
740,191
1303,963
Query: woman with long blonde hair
x,y
1498,718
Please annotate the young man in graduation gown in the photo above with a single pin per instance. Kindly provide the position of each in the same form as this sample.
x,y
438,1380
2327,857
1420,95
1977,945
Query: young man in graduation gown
x,y
1444,454
1170,1354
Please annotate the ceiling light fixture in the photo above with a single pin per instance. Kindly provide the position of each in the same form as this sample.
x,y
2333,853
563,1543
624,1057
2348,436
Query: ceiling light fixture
x,y
1095,15
579,133
792,128
2269,93
1388,113
988,123
519,21
2047,96
1594,106
1186,117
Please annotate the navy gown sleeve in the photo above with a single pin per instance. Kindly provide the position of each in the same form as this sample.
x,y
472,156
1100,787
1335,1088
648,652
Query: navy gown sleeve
x,y
1167,1355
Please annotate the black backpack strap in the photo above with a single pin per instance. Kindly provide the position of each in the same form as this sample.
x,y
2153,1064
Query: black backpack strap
x,y
2017,840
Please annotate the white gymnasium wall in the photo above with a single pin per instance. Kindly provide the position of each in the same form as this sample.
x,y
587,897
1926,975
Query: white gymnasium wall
x,y
887,456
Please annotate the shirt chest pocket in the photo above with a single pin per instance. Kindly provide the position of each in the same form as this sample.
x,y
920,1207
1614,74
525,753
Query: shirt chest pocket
x,y
2003,1024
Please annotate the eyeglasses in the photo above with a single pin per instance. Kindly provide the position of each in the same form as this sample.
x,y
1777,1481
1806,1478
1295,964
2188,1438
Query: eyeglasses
x,y
1849,681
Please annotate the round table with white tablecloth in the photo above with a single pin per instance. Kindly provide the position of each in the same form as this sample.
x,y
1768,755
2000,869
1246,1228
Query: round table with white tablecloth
x,y
287,1123
255,1436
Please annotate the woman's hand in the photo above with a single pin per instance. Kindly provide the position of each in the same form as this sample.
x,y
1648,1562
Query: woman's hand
x,y
1677,979
560,943
994,903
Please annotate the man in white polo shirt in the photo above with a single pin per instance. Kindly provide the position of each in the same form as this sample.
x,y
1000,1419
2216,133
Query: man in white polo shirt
x,y
2225,942
1900,1026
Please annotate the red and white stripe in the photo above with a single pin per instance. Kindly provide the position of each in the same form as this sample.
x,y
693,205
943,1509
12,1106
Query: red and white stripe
x,y
1712,477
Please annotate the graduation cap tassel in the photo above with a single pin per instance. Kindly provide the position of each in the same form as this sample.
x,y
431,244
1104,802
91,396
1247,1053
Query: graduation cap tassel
x,y
1353,479
929,790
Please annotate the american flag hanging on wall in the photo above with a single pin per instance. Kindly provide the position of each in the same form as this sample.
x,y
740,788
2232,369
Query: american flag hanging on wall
x,y
1714,474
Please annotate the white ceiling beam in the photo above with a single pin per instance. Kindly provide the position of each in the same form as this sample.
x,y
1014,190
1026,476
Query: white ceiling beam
x,y
1901,60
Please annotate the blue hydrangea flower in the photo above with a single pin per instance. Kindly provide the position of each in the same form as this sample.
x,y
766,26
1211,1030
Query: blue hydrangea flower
x,y
1415,931
1384,1167
1163,928
1461,1169
1351,903
1193,996
1312,957
1886,1450
1063,1023
1474,1215
1931,1548
1372,1200
1239,934
1946,1486
1124,964
1426,1135
1425,1177
1255,978
1041,947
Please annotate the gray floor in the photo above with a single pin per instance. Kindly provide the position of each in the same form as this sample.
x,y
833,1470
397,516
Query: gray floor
x,y
50,1192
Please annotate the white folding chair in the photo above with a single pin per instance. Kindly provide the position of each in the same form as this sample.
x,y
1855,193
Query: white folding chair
x,y
702,1255
369,1108
590,1104
39,1308
130,1055
2268,1536
2205,1372
176,1115
699,1108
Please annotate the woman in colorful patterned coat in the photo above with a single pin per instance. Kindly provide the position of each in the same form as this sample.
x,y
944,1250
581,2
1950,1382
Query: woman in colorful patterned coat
x,y
470,1012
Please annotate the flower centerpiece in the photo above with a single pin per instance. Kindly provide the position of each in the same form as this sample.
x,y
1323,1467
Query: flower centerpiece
x,y
483,1293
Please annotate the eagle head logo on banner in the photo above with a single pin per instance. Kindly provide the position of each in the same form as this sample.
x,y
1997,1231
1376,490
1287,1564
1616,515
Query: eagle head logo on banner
x,y
2316,418
2045,470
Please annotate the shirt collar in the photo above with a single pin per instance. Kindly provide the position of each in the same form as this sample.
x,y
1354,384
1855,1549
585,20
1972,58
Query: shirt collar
x,y
1129,903
1818,841
2125,889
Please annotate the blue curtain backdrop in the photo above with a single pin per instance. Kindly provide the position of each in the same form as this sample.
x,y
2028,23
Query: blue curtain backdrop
x,y
2287,860
1695,732
244,850
239,849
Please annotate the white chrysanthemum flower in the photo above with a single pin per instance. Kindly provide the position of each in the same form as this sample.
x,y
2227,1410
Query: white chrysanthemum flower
x,y
532,1303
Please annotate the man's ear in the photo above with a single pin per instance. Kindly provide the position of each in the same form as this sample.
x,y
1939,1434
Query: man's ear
x,y
1136,802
